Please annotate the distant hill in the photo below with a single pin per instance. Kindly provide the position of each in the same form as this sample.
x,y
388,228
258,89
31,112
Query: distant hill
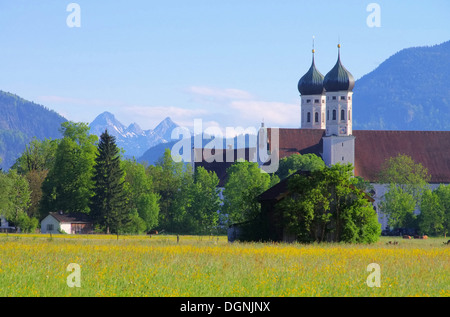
x,y
132,139
408,91
20,121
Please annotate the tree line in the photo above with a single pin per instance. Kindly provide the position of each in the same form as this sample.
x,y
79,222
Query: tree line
x,y
82,173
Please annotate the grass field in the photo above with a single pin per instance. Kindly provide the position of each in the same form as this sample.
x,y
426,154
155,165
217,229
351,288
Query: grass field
x,y
36,265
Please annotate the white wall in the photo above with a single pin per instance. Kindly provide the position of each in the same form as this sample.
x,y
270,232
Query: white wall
x,y
50,220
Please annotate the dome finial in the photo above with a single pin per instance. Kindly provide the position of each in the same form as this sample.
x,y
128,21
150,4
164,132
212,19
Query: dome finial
x,y
313,50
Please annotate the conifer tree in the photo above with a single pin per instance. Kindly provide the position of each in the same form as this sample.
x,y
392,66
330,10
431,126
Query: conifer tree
x,y
108,204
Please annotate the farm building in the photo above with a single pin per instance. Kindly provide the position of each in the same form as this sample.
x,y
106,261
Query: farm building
x,y
73,223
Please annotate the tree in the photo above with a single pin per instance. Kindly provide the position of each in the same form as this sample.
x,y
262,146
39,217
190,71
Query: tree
x,y
431,218
108,203
399,206
291,164
202,214
171,181
410,176
142,201
325,205
35,163
407,181
38,156
16,199
443,192
68,185
244,183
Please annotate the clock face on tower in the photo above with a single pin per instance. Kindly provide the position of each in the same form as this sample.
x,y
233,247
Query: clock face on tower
x,y
342,130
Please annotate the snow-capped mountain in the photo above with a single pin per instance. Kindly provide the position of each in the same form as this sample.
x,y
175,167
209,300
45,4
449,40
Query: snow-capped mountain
x,y
132,139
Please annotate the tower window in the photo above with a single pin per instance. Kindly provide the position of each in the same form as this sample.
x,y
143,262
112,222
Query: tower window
x,y
316,101
342,97
342,115
349,98
328,114
316,117
349,115
334,114
323,117
334,97
308,100
308,117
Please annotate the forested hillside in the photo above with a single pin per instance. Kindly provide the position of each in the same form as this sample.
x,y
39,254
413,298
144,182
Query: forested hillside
x,y
20,121
408,91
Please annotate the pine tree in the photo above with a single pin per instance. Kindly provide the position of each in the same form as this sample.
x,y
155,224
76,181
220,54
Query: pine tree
x,y
108,204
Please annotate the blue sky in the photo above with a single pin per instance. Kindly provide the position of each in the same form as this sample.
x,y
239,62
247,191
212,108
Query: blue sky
x,y
228,62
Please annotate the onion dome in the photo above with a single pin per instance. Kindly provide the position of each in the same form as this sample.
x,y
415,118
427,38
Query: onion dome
x,y
312,82
339,78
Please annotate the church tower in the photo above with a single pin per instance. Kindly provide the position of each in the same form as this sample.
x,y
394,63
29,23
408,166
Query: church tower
x,y
338,142
313,101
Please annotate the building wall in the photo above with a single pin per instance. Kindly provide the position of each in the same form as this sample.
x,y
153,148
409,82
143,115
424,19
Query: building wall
x,y
338,149
50,220
313,104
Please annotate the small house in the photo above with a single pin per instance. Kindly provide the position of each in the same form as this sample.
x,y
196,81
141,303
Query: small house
x,y
71,223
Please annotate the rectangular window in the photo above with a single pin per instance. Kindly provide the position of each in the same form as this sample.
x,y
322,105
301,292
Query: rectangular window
x,y
308,100
334,97
50,227
316,101
342,97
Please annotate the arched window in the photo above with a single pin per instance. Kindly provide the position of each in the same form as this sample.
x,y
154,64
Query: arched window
x,y
349,115
334,114
316,117
308,117
328,115
342,115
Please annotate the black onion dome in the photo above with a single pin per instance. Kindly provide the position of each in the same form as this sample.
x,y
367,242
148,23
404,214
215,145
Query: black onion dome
x,y
312,82
339,78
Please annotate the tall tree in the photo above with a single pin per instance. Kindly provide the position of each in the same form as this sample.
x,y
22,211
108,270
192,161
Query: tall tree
x,y
202,215
108,203
407,181
141,196
443,192
405,173
244,183
68,185
431,217
325,205
171,181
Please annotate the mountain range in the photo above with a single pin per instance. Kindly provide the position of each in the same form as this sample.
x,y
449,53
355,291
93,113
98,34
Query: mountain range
x,y
132,139
408,91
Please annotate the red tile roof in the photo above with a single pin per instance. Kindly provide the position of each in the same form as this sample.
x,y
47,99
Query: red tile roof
x,y
430,148
372,149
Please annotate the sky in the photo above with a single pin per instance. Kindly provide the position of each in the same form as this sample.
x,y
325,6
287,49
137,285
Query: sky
x,y
230,63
